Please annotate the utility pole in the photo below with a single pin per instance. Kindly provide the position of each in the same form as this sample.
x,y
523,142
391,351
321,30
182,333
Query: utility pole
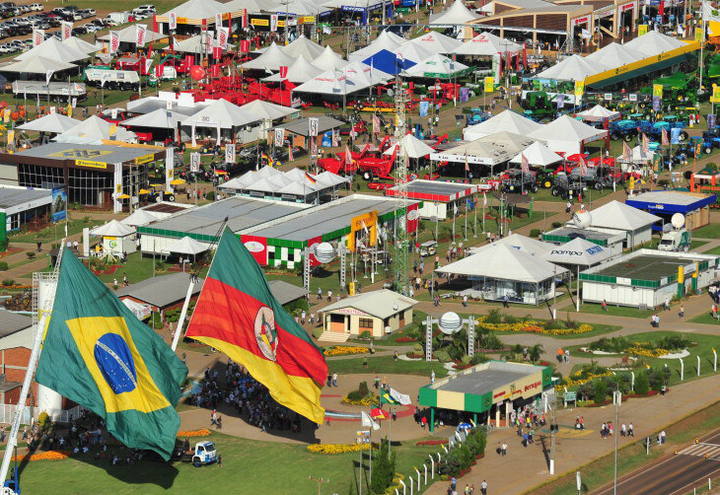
x,y
617,399
401,174
553,426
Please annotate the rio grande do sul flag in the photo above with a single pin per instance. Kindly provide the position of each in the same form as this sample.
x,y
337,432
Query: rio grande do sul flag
x,y
98,354
237,314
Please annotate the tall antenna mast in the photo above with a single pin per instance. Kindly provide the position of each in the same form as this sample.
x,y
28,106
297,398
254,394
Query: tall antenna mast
x,y
401,175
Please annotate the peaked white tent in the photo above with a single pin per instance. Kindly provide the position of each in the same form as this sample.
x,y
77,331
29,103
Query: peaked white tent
x,y
139,218
578,251
36,65
437,42
264,110
53,49
457,13
299,72
52,122
329,60
599,113
252,6
386,40
573,68
297,8
113,228
413,52
158,119
192,44
639,156
615,54
654,43
619,216
94,130
302,46
356,76
220,114
189,246
273,183
410,145
437,66
129,34
567,135
487,44
195,10
507,120
80,45
271,59
538,155
524,243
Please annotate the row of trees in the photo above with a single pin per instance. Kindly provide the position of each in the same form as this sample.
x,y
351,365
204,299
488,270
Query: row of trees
x,y
461,457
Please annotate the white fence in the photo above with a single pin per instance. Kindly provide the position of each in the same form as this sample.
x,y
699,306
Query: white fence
x,y
7,413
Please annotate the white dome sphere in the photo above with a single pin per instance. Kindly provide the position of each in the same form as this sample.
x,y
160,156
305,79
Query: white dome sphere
x,y
324,252
582,219
450,323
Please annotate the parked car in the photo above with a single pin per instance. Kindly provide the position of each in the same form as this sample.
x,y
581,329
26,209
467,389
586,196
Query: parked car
x,y
36,7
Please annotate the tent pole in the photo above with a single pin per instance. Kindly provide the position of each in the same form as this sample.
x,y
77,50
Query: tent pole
x,y
577,302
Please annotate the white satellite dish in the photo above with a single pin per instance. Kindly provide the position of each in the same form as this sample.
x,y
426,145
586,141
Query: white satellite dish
x,y
582,219
324,252
450,323
678,220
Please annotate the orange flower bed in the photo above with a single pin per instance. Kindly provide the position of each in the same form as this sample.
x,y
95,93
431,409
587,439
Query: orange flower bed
x,y
195,433
50,455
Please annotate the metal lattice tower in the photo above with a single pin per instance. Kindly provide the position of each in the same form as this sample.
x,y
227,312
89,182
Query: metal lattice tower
x,y
401,175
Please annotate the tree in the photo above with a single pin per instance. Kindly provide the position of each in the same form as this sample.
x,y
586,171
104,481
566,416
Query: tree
x,y
642,383
383,468
599,391
535,352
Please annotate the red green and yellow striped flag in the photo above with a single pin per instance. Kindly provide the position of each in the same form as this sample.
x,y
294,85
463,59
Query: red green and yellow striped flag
x,y
237,314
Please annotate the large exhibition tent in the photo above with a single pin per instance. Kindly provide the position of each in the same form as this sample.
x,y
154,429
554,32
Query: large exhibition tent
x,y
457,13
265,110
80,45
329,60
95,130
437,67
437,42
386,40
302,70
194,11
599,113
487,44
572,68
113,228
413,52
271,59
410,145
36,65
567,135
620,216
507,120
355,76
193,44
302,46
158,119
52,122
55,50
654,43
220,114
579,252
490,150
129,35
140,217
615,53
388,62
538,155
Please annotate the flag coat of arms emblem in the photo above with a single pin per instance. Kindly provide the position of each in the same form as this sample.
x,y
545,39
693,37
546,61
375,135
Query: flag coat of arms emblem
x,y
98,354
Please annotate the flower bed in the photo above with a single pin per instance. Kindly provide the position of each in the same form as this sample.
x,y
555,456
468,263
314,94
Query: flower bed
x,y
581,378
432,442
533,326
368,401
344,350
638,350
337,448
50,455
405,339
194,433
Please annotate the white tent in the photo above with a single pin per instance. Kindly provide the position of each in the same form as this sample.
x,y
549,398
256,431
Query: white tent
x,y
615,54
299,72
619,216
80,45
412,146
36,65
567,135
220,114
522,243
188,245
490,150
158,119
296,8
487,44
53,49
193,44
356,76
640,157
578,252
329,60
537,154
271,181
507,120
196,10
386,40
437,42
129,34
252,6
264,110
573,68
113,228
598,113
457,13
302,46
413,52
271,59
139,218
52,122
437,66
94,130
654,43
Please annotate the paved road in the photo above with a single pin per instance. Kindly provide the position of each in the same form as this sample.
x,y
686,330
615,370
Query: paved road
x,y
676,475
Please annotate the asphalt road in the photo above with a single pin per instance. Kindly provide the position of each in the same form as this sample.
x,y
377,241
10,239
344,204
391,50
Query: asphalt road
x,y
676,475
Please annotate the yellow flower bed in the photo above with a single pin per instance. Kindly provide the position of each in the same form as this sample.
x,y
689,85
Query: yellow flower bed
x,y
50,455
642,351
575,382
195,433
343,350
533,326
368,401
337,448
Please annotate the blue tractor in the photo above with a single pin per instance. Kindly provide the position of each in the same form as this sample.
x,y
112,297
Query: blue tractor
x,y
624,129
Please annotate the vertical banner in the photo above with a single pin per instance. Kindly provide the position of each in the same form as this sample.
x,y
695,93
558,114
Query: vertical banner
x,y
413,216
141,30
223,34
148,64
699,34
273,23
48,77
114,41
230,153
313,125
38,36
195,162
172,21
489,84
283,71
244,19
66,29
657,90
642,29
715,98
579,90
279,139
218,21
244,46
169,167
11,140
117,187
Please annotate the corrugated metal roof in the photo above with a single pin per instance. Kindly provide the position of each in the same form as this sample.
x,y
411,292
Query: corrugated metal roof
x,y
13,196
381,303
93,152
12,322
161,291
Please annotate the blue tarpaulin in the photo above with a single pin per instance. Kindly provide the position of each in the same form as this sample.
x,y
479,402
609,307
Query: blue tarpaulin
x,y
388,62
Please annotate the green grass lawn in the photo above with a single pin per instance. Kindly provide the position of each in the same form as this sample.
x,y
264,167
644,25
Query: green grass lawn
x,y
706,318
55,232
137,268
596,309
588,196
715,250
250,467
385,364
711,231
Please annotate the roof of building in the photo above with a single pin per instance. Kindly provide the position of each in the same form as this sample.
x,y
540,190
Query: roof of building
x,y
242,213
381,303
646,264
286,292
617,215
435,190
678,198
486,379
161,291
572,232
12,196
301,126
13,322
104,153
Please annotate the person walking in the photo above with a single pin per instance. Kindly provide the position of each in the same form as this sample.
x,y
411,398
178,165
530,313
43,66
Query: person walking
x,y
334,379
483,487
631,430
681,313
503,449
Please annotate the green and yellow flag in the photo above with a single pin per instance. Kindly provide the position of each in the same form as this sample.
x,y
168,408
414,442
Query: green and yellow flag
x,y
99,355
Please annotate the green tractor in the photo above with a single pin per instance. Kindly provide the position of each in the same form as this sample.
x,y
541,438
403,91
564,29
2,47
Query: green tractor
x,y
538,105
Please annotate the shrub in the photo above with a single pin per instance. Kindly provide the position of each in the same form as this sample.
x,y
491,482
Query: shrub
x,y
43,420
557,225
478,358
363,389
642,383
3,266
8,282
210,195
355,395
494,316
30,255
383,468
599,391
442,355
365,334
535,233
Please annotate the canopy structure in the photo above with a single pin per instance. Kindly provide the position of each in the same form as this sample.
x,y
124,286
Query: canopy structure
x,y
507,120
410,145
579,251
95,130
139,218
80,45
522,243
113,228
220,114
619,216
236,7
567,135
158,119
52,122
599,113
264,110
329,60
413,52
299,72
356,76
193,44
616,54
55,50
457,13
36,65
490,150
273,183
388,62
271,59
538,155
129,34
194,11
654,43
572,68
303,47
437,42
190,246
437,67
386,40
487,45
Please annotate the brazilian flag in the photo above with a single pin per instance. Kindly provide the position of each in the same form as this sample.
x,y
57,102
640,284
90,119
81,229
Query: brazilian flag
x,y
99,355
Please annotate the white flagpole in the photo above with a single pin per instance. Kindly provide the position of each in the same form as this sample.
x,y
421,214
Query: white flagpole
x,y
44,315
183,314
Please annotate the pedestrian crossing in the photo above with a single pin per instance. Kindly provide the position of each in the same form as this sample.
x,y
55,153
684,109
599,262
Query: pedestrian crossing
x,y
706,450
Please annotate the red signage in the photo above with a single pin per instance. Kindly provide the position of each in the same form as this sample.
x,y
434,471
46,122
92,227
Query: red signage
x,y
627,6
